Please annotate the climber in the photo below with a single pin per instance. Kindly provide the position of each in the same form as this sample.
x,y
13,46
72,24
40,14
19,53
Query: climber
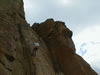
x,y
36,47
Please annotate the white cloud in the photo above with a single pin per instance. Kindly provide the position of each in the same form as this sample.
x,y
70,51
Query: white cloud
x,y
76,13
64,2
89,40
90,33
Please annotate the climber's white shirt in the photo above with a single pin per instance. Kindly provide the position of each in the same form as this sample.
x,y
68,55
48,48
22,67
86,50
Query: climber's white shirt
x,y
36,44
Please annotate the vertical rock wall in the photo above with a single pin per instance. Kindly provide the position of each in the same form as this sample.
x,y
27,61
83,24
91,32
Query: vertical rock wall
x,y
15,56
17,43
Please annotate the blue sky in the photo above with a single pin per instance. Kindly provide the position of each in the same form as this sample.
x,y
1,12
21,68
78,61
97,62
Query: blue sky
x,y
81,16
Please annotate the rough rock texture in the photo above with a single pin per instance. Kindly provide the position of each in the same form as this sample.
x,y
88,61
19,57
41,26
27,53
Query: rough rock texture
x,y
17,40
17,43
61,47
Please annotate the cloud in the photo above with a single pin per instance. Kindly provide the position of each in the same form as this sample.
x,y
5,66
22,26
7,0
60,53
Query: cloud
x,y
76,13
88,41
91,33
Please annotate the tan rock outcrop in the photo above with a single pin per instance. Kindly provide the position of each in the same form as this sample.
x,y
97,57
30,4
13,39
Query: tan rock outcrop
x,y
58,39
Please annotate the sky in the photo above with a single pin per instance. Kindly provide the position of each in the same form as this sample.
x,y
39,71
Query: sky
x,y
88,46
81,16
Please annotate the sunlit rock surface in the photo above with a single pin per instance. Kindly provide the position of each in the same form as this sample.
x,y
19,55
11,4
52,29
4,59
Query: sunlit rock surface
x,y
55,56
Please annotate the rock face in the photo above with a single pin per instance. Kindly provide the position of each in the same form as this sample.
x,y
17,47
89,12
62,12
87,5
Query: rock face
x,y
15,45
55,56
61,47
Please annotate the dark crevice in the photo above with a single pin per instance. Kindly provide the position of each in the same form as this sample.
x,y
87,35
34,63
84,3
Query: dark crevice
x,y
9,69
21,16
26,52
10,58
2,63
5,66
